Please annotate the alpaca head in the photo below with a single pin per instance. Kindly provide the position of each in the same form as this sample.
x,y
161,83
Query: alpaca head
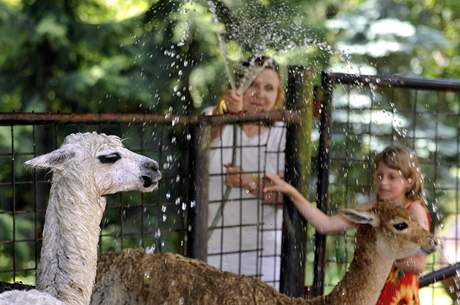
x,y
101,162
395,233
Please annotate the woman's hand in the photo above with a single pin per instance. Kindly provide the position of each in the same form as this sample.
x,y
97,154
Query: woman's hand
x,y
233,101
235,178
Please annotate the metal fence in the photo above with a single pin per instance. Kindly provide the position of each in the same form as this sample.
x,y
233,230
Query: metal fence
x,y
244,234
363,114
162,221
360,115
151,220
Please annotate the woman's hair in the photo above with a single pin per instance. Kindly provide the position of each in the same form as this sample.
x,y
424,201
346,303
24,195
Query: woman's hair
x,y
401,158
270,64
254,62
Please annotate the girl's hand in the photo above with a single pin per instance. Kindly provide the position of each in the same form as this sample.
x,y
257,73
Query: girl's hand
x,y
277,184
233,101
235,178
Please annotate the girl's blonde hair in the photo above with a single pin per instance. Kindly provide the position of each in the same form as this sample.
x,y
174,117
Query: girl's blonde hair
x,y
401,158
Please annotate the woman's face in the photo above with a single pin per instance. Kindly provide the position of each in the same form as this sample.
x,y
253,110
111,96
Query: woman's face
x,y
261,95
391,184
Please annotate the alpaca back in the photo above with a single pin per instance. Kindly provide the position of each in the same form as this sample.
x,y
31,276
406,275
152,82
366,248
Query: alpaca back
x,y
133,277
167,278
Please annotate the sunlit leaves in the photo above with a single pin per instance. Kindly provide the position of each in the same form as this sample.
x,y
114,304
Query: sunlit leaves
x,y
194,19
12,3
50,28
102,11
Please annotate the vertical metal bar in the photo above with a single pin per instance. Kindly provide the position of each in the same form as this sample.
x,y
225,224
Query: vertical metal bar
x,y
142,207
163,143
294,227
348,166
323,182
457,182
13,182
239,142
197,233
35,200
414,121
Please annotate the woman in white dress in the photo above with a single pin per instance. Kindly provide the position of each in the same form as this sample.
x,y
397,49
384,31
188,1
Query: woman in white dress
x,y
245,224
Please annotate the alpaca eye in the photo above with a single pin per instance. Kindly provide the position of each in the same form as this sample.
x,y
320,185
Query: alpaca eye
x,y
400,226
110,158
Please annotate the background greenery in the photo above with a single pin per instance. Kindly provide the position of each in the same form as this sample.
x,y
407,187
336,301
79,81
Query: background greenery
x,y
101,55
165,57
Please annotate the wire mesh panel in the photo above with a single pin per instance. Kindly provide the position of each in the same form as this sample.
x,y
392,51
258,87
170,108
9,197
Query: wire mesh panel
x,y
158,221
370,113
155,221
245,224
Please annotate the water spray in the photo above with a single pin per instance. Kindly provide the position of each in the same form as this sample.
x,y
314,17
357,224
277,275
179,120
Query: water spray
x,y
250,74
231,80
222,45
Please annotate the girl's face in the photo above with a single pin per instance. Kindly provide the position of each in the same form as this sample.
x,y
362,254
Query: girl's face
x,y
262,94
391,184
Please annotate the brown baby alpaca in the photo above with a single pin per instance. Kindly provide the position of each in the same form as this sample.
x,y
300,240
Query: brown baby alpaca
x,y
133,277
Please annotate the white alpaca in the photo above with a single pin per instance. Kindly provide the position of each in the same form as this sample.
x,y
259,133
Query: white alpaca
x,y
385,234
85,168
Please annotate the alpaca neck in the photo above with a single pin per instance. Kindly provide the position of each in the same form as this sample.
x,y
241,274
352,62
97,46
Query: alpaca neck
x,y
67,266
366,275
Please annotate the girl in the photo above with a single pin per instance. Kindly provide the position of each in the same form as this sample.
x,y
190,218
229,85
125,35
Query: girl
x,y
398,179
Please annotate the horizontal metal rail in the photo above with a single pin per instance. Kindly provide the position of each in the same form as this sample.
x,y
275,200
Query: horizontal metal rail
x,y
438,84
439,275
14,286
21,118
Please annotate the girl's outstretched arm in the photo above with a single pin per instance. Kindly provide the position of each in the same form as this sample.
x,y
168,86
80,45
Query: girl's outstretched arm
x,y
322,222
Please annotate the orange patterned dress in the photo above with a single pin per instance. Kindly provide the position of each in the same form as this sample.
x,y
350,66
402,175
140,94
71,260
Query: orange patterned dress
x,y
401,288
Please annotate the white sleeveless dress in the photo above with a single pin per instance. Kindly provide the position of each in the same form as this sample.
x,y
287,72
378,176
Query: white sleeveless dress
x,y
246,237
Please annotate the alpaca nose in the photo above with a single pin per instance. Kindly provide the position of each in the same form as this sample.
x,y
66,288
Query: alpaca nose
x,y
435,243
150,174
153,167
431,246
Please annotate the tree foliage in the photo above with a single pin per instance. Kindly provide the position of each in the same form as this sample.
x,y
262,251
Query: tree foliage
x,y
88,56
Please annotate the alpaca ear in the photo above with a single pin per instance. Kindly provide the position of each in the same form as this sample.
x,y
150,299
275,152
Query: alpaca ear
x,y
360,217
53,159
